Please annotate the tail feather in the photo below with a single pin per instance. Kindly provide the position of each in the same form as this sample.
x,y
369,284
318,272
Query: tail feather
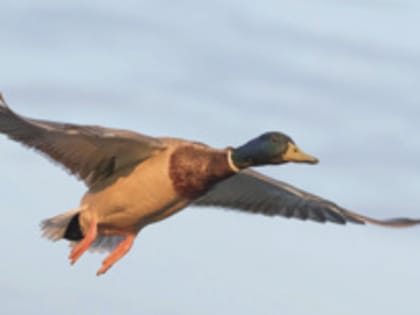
x,y
55,228
103,243
58,227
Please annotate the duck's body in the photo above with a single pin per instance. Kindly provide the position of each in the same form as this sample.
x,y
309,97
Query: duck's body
x,y
134,180
122,206
169,181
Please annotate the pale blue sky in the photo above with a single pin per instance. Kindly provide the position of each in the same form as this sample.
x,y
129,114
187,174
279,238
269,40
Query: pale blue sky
x,y
341,78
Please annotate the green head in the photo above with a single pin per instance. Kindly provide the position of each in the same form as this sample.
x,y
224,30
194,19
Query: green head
x,y
269,148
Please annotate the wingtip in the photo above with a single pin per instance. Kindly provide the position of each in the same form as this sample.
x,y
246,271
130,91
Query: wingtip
x,y
2,101
396,223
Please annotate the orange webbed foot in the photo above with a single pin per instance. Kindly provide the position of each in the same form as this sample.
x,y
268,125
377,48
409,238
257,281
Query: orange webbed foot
x,y
120,251
84,244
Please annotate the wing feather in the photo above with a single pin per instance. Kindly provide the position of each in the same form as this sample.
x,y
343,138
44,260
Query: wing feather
x,y
91,153
251,191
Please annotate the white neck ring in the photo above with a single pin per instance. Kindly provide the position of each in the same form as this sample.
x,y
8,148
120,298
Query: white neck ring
x,y
232,165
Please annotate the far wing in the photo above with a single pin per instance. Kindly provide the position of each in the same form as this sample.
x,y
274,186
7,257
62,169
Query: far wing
x,y
253,192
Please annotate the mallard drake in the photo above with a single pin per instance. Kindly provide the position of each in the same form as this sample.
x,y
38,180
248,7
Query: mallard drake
x,y
134,180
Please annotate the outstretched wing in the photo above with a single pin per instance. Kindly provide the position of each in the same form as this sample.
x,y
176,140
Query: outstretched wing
x,y
91,153
251,191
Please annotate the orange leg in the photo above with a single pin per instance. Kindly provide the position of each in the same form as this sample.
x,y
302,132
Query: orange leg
x,y
122,249
84,244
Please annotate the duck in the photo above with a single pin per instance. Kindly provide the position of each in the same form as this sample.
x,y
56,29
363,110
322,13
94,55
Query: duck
x,y
134,180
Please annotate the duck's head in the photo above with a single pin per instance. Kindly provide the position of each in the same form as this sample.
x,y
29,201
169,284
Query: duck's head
x,y
269,148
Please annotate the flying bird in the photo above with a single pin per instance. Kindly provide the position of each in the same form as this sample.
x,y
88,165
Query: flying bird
x,y
134,180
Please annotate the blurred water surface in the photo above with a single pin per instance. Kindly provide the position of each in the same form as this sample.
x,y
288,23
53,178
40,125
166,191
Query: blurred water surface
x,y
342,78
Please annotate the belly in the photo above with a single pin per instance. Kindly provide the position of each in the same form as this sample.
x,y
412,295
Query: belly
x,y
130,202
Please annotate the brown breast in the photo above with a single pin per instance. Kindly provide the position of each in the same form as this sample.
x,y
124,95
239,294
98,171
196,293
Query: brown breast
x,y
194,169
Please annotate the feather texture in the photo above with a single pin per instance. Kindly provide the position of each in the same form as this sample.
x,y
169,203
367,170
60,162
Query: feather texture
x,y
91,153
253,192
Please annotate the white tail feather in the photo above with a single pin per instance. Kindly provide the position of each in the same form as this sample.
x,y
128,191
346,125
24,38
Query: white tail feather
x,y
54,228
106,243
103,243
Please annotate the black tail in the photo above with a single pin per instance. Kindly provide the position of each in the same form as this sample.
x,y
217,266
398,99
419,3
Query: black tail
x,y
65,225
73,231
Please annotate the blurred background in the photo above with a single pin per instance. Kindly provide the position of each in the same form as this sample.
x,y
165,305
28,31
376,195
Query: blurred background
x,y
341,77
